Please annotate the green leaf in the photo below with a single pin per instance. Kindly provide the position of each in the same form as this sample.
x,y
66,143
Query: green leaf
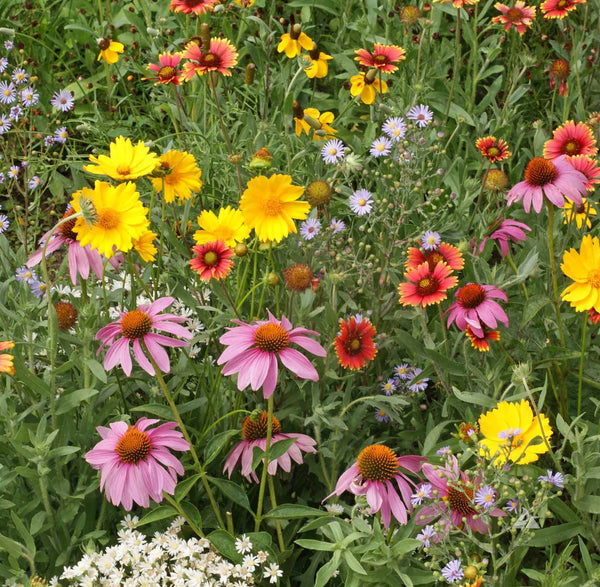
x,y
315,544
191,511
233,491
280,448
320,4
25,535
327,570
588,503
160,410
13,548
290,511
405,546
185,486
353,563
216,444
159,513
71,400
474,398
555,534
225,544
97,369
37,522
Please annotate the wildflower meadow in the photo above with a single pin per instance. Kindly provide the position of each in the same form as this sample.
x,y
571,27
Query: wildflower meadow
x,y
299,293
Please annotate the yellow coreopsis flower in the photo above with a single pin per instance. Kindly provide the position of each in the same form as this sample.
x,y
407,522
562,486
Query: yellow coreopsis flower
x,y
109,50
117,217
584,269
512,432
228,227
179,176
270,206
126,161
293,42
579,213
366,89
6,361
144,246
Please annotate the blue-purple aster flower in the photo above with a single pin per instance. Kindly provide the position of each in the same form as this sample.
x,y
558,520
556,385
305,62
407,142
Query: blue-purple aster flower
x,y
13,172
428,533
444,451
395,128
8,92
556,479
29,97
34,182
5,124
3,64
423,491
453,572
420,114
430,241
49,141
2,177
4,223
381,416
485,497
63,100
310,228
61,135
19,76
389,387
25,275
381,147
512,505
418,384
333,151
38,289
15,113
403,371
361,202
8,45
337,225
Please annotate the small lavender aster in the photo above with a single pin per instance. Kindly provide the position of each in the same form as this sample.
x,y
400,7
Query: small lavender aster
x,y
388,387
49,141
444,451
403,371
13,172
4,223
485,497
333,151
423,492
29,97
381,416
556,479
418,384
2,177
430,241
361,202
420,114
63,100
381,147
337,225
15,113
8,45
512,506
452,572
395,128
310,228
61,135
5,124
19,76
426,535
8,93
38,289
25,275
3,64
34,182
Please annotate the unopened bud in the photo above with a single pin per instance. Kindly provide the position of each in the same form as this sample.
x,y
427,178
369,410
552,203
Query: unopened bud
x,y
205,35
249,75
370,76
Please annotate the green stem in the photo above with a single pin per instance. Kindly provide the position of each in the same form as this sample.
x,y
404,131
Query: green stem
x,y
263,481
478,202
182,513
554,274
274,505
456,65
585,321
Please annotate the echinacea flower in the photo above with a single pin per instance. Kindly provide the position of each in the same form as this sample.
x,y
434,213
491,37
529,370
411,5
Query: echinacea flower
x,y
138,326
571,139
367,86
6,361
332,151
293,42
588,167
508,230
512,432
373,475
126,161
556,479
361,202
118,217
559,8
580,214
421,114
554,179
475,307
221,56
559,71
109,50
254,434
583,268
135,462
520,16
354,345
177,176
166,69
444,253
382,58
63,100
193,6
426,286
253,349
270,205
228,226
480,342
212,260
493,149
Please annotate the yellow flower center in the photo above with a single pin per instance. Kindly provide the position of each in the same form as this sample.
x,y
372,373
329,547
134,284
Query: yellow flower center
x,y
362,202
427,286
135,324
108,219
571,147
271,337
377,463
540,172
594,278
493,151
257,428
355,344
211,258
272,206
333,151
134,446
167,72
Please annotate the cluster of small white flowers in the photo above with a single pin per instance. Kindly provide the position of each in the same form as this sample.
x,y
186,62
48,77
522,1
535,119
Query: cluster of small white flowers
x,y
167,559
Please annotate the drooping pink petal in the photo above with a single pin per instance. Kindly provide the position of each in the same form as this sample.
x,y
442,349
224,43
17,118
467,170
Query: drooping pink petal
x,y
298,364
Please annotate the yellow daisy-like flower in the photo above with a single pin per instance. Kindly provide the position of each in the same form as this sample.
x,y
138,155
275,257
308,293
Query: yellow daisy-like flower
x,y
118,217
320,122
361,86
318,64
293,42
584,269
228,227
144,246
579,213
125,161
270,206
512,432
244,3
109,50
6,361
180,174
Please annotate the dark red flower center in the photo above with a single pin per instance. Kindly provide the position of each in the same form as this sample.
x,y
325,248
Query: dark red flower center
x,y
134,446
193,3
135,324
433,258
571,147
66,229
471,295
540,172
377,463
514,14
560,69
427,286
210,60
166,73
271,337
353,344
460,499
253,429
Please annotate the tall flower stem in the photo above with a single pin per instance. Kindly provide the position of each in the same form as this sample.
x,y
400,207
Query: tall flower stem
x,y
273,498
230,299
478,202
430,344
579,386
263,481
199,467
182,513
456,64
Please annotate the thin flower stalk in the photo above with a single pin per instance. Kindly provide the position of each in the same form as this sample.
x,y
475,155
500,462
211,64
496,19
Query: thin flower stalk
x,y
580,382
263,480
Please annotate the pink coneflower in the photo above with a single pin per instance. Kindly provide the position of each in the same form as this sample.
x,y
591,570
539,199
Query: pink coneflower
x,y
253,349
587,166
373,474
254,433
193,6
559,8
509,230
137,326
454,492
571,139
81,259
444,253
475,307
426,286
212,260
166,69
221,56
519,16
382,58
554,179
132,461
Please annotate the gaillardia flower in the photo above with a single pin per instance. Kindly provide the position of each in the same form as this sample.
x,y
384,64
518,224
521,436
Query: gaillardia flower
x,y
221,56
227,226
354,345
135,462
443,253
512,432
137,327
481,342
373,475
559,8
493,149
520,16
382,58
571,139
426,286
178,176
6,361
270,206
126,161
109,50
253,349
212,260
193,6
254,433
583,268
554,179
166,69
588,167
